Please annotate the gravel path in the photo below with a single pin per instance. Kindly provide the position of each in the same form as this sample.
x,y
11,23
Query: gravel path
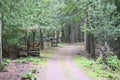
x,y
62,66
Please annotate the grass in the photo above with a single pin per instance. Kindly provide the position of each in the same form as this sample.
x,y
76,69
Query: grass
x,y
94,70
28,76
4,64
34,60
62,44
43,60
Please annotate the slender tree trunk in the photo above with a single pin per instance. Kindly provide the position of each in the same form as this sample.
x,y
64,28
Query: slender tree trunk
x,y
58,39
33,39
63,36
87,45
76,32
55,39
41,40
80,37
108,50
92,46
1,43
86,34
73,34
69,33
105,52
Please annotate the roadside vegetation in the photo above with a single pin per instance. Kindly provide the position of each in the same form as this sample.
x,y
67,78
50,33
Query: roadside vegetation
x,y
98,70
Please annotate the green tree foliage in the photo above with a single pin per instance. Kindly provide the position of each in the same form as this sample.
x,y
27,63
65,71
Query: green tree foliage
x,y
21,16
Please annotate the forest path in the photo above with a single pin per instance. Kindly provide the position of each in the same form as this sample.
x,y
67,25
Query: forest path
x,y
62,66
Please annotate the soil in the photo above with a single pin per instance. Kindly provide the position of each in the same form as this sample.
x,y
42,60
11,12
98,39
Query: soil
x,y
15,71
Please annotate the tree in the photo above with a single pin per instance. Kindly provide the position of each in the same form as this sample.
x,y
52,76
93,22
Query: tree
x,y
98,18
19,16
1,62
101,22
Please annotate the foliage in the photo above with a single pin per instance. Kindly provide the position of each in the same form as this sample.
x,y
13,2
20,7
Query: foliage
x,y
114,63
33,70
19,17
97,69
34,60
88,64
7,61
2,67
4,64
102,19
29,75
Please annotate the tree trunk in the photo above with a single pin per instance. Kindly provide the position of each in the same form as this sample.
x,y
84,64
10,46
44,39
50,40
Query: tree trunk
x,y
74,33
1,44
33,39
87,42
105,52
69,33
86,35
55,39
92,46
63,36
41,40
80,37
107,49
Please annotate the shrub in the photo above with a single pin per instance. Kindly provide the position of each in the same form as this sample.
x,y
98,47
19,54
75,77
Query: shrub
x,y
113,63
29,75
33,70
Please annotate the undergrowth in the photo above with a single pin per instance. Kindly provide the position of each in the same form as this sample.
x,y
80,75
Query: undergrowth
x,y
34,60
28,76
4,64
98,70
45,56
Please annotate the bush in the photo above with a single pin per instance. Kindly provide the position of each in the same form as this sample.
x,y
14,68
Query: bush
x,y
113,63
29,75
33,70
7,61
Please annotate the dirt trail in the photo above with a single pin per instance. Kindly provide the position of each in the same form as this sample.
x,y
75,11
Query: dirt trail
x,y
62,66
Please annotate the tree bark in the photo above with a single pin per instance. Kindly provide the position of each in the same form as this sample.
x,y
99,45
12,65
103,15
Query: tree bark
x,y
87,43
80,37
92,46
69,33
108,50
41,40
33,39
1,43
86,35
63,35
74,33
55,39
